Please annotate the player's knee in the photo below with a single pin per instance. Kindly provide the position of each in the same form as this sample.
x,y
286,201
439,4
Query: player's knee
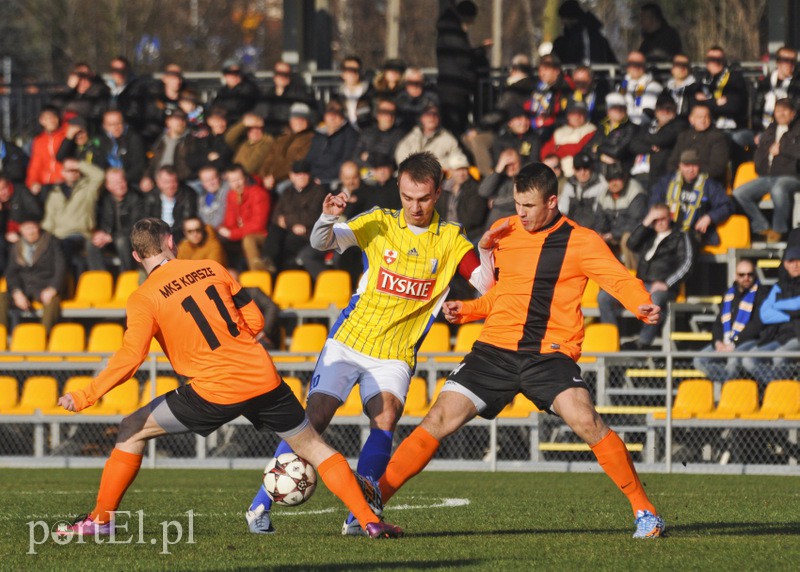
x,y
131,427
591,428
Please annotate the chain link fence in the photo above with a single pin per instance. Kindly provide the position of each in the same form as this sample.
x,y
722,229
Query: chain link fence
x,y
671,416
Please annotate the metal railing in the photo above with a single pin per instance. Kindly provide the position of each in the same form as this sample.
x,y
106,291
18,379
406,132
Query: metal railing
x,y
631,391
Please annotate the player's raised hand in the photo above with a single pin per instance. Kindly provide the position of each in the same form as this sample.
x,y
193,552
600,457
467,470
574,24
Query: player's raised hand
x,y
452,311
334,204
493,235
651,313
67,402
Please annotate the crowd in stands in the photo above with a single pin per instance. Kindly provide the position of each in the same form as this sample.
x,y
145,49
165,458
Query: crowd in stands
x,y
646,161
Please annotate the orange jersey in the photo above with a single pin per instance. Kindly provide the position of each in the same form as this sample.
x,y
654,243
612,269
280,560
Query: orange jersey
x,y
536,303
206,325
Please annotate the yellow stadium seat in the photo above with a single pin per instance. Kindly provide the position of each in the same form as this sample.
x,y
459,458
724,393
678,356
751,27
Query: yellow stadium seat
x,y
66,337
121,400
465,337
352,405
27,337
164,384
781,399
127,283
94,286
3,338
739,397
3,284
103,338
297,388
260,279
306,338
39,392
600,338
436,341
733,233
9,393
292,287
417,398
589,299
332,288
745,173
520,407
695,397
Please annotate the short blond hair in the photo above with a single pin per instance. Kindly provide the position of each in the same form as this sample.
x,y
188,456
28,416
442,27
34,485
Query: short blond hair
x,y
147,235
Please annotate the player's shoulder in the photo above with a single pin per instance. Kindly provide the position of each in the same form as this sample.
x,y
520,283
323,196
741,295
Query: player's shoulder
x,y
375,213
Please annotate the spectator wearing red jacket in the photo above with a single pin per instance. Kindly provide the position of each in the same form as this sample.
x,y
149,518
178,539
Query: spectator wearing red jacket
x,y
244,228
570,139
44,168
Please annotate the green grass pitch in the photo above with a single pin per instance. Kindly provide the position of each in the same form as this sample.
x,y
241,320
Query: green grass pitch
x,y
508,521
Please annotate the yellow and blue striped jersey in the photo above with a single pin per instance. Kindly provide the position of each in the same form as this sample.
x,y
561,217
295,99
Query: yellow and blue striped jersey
x,y
406,279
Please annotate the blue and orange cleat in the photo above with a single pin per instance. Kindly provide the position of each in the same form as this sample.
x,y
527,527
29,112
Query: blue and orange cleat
x,y
648,525
383,530
85,526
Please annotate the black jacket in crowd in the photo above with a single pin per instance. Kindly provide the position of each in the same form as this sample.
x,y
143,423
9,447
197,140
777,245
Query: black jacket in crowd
x,y
712,146
13,161
471,209
663,138
117,217
237,100
786,162
671,261
185,207
736,94
616,144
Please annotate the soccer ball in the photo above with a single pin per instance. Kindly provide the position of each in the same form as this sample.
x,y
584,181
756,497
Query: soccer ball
x,y
289,480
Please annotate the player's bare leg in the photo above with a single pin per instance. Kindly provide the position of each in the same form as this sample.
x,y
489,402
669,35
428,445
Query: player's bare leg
x,y
449,413
339,478
575,407
120,471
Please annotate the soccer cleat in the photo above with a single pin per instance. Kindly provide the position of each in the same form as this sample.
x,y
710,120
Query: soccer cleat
x,y
258,521
648,525
85,526
372,493
383,530
352,528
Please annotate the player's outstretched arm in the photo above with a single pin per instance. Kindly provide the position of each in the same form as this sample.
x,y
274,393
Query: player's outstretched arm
x,y
124,363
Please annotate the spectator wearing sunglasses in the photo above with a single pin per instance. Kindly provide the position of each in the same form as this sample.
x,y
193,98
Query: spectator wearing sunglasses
x,y
737,325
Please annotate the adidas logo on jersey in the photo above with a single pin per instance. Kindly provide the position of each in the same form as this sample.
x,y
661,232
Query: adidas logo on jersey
x,y
413,252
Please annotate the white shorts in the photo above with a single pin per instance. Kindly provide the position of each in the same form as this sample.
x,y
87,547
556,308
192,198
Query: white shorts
x,y
340,367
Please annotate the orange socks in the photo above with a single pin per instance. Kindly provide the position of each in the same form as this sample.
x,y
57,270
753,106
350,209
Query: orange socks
x,y
120,470
338,477
616,461
413,454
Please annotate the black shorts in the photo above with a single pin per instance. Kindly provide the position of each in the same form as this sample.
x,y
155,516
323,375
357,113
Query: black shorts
x,y
277,410
497,375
